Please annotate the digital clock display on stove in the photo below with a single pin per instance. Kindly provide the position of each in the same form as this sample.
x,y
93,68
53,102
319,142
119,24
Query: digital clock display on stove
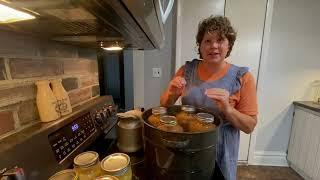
x,y
74,127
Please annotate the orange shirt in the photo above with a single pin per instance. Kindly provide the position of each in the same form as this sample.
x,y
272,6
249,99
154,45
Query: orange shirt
x,y
244,100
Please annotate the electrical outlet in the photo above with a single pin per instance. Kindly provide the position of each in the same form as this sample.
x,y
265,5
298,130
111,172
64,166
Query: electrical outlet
x,y
156,72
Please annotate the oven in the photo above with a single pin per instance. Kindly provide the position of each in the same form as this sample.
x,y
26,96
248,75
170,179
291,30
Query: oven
x,y
46,148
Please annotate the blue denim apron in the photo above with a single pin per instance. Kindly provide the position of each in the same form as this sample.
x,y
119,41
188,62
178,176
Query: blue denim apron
x,y
228,139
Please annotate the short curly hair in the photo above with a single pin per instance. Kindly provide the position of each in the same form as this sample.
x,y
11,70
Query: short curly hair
x,y
219,24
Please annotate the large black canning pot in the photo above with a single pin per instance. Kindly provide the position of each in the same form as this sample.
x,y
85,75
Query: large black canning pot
x,y
180,156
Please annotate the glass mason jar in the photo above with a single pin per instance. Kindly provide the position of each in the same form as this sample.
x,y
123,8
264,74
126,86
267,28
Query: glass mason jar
x,y
87,165
185,116
154,119
203,122
169,124
65,174
107,177
118,165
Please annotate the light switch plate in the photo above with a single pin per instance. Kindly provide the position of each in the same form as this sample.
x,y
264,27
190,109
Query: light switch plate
x,y
156,72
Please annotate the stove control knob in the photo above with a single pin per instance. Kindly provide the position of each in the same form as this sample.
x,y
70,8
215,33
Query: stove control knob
x,y
106,112
98,118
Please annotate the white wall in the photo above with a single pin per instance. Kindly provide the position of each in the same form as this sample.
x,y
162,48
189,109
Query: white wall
x,y
248,22
164,59
138,78
290,65
190,12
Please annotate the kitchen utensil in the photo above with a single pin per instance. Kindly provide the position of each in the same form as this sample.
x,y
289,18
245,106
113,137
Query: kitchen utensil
x,y
129,131
182,155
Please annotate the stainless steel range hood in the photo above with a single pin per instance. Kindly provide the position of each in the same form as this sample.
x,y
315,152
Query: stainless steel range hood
x,y
134,24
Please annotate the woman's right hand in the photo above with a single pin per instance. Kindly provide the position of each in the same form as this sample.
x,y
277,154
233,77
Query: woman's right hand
x,y
177,85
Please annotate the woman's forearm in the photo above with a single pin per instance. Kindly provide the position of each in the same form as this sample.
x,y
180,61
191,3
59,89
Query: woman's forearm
x,y
168,98
241,121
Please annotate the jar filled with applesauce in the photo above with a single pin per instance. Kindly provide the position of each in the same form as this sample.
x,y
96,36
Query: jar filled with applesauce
x,y
117,165
203,122
69,174
169,124
154,119
106,177
185,116
87,165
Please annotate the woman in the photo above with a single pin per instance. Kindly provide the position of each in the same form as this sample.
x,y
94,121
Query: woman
x,y
221,87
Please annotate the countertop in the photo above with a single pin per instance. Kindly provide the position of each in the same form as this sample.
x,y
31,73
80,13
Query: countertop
x,y
308,105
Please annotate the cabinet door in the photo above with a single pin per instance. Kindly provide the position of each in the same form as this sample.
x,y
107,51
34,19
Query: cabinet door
x,y
299,120
302,138
305,140
316,143
304,146
291,146
313,146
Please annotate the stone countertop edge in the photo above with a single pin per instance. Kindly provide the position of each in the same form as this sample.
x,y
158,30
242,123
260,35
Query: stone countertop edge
x,y
308,105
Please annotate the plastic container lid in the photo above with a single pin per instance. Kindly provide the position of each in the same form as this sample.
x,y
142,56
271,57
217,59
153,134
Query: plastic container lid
x,y
188,108
86,159
159,110
116,164
107,177
69,174
205,117
170,120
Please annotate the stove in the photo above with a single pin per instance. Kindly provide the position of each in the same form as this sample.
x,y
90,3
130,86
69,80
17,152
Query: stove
x,y
45,148
97,120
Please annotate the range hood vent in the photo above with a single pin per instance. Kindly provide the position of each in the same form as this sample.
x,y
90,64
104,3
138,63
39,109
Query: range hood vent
x,y
87,23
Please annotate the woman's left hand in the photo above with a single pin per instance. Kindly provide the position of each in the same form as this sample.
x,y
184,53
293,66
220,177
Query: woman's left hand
x,y
221,96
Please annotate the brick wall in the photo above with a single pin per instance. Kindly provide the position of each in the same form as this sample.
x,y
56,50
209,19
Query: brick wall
x,y
24,60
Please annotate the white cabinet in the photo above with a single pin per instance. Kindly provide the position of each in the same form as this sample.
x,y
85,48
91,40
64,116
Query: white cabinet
x,y
304,147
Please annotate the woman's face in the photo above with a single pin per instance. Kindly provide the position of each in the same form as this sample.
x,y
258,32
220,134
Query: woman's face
x,y
214,48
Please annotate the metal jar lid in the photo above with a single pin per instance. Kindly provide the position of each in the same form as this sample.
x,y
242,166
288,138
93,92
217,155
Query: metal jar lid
x,y
188,108
116,164
86,159
159,110
205,117
69,174
107,177
169,120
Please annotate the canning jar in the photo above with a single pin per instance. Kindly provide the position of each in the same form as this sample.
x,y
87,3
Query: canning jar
x,y
69,174
203,122
169,124
154,119
185,116
87,165
106,177
118,165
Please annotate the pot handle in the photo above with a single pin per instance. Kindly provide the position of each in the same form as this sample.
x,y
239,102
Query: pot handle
x,y
175,144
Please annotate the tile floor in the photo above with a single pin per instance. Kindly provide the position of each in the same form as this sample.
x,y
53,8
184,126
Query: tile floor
x,y
266,173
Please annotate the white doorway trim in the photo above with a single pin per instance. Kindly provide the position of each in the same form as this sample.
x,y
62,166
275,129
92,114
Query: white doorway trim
x,y
178,36
263,60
